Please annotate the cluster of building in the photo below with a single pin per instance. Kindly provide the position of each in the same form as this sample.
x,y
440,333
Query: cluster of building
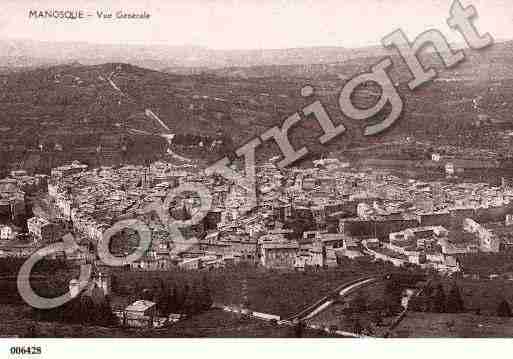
x,y
305,217
16,200
14,192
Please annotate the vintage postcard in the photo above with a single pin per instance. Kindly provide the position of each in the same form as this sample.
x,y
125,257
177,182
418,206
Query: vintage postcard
x,y
294,169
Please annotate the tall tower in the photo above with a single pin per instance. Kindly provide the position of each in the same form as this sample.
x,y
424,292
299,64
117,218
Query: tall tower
x,y
103,282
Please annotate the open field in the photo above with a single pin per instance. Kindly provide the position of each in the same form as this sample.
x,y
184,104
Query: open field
x,y
434,325
278,293
370,319
483,295
16,322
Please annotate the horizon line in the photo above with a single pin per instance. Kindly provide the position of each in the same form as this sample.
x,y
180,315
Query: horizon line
x,y
163,44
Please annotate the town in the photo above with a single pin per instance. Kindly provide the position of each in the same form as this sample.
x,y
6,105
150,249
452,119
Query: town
x,y
306,219
276,189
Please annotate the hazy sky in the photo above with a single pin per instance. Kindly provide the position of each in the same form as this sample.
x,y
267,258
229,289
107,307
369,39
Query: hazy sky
x,y
243,24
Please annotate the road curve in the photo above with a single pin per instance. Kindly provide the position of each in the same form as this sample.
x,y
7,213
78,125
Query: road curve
x,y
328,300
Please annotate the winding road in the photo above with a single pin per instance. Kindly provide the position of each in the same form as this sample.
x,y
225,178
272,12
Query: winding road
x,y
342,291
167,135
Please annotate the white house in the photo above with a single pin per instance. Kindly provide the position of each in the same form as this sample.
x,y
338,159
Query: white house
x,y
6,233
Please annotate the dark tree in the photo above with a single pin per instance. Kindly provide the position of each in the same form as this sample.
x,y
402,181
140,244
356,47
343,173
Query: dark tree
x,y
163,303
438,300
147,294
161,297
454,300
181,299
299,329
173,305
206,300
114,284
418,303
192,303
393,294
72,311
504,310
428,290
359,303
31,331
357,327
106,317
87,310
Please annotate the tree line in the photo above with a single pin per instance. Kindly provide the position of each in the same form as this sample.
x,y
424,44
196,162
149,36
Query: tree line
x,y
187,299
92,307
434,299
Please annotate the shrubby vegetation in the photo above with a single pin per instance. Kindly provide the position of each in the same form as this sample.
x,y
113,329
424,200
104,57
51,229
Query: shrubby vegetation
x,y
486,264
10,266
41,277
434,299
504,310
189,300
277,292
87,309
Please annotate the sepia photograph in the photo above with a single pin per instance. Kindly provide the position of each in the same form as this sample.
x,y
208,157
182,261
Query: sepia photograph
x,y
296,170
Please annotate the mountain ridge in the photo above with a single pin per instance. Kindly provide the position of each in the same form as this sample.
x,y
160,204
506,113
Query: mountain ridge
x,y
31,53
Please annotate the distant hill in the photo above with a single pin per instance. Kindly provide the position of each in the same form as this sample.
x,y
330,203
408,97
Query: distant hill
x,y
202,103
29,53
